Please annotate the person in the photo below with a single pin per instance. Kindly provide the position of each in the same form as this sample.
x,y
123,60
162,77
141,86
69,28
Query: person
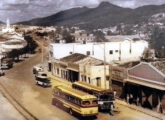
x,y
111,109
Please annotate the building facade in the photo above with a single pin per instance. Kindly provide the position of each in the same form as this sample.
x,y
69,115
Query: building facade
x,y
113,51
79,67
145,85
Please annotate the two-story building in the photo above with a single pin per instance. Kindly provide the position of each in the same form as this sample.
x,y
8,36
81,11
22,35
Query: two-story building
x,y
79,67
114,51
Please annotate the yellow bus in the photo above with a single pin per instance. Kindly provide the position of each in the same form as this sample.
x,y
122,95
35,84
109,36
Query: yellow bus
x,y
105,98
74,101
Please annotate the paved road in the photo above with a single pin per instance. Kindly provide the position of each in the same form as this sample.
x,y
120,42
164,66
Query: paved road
x,y
20,82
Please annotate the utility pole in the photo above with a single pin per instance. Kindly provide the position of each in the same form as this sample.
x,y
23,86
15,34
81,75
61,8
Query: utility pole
x,y
42,52
104,68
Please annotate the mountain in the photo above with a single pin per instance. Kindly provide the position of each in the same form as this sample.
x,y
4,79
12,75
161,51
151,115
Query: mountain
x,y
105,15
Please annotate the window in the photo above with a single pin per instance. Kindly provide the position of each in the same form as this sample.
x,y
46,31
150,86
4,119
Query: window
x,y
94,102
89,80
88,52
58,71
107,77
86,103
85,78
111,52
98,80
82,77
116,50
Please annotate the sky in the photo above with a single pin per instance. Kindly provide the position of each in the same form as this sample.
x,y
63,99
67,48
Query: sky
x,y
21,10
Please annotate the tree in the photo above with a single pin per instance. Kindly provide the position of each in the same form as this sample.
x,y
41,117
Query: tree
x,y
68,37
157,41
99,36
31,44
119,29
14,54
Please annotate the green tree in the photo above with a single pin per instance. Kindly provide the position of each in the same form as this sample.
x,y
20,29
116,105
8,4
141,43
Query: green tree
x,y
31,44
157,41
68,37
99,36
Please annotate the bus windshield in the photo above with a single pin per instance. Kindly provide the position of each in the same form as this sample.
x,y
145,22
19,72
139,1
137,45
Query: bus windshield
x,y
105,97
85,102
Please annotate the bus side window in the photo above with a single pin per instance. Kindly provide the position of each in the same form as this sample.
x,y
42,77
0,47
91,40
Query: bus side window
x,y
77,101
94,102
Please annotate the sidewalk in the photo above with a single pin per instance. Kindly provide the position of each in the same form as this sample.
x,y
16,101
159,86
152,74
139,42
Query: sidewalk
x,y
7,111
140,109
58,81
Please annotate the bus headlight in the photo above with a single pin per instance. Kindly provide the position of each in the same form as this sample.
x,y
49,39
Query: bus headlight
x,y
100,102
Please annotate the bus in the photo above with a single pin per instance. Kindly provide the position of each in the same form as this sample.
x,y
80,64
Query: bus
x,y
42,79
105,98
75,102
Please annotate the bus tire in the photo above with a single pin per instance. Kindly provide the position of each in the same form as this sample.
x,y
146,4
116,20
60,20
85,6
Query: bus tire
x,y
70,111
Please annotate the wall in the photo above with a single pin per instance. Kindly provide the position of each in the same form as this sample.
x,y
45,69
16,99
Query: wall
x,y
97,50
94,72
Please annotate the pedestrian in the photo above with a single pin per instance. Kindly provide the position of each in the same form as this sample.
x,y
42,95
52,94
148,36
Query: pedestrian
x,y
111,109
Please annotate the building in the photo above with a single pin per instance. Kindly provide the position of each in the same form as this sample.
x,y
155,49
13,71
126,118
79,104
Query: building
x,y
83,37
140,83
126,50
79,67
145,85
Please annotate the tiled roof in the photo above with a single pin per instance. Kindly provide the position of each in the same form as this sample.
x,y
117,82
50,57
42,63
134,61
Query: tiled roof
x,y
78,58
73,58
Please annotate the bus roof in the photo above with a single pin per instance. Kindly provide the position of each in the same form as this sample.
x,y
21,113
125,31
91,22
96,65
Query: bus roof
x,y
75,93
88,86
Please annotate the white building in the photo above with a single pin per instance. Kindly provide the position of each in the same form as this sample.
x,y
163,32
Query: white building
x,y
10,40
8,27
84,37
114,51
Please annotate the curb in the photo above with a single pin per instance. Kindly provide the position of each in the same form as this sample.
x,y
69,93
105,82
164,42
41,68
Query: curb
x,y
143,110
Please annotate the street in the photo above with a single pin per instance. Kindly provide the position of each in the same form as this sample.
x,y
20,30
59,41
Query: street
x,y
20,83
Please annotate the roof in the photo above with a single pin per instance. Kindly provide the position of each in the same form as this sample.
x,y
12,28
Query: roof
x,y
160,65
76,93
147,84
78,58
147,74
88,86
73,58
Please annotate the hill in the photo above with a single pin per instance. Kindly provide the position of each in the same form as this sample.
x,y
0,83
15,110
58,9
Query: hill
x,y
105,15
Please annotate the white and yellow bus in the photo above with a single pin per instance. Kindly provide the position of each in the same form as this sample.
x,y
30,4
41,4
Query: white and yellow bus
x,y
74,101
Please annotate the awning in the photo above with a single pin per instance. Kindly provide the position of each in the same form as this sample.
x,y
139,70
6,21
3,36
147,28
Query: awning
x,y
147,84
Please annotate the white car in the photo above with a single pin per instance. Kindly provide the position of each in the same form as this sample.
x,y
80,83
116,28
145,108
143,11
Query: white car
x,y
37,69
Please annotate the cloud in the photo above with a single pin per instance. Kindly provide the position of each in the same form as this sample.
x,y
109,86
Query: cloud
x,y
20,10
14,1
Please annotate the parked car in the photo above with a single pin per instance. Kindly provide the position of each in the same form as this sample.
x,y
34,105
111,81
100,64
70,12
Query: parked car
x,y
37,69
42,79
6,64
